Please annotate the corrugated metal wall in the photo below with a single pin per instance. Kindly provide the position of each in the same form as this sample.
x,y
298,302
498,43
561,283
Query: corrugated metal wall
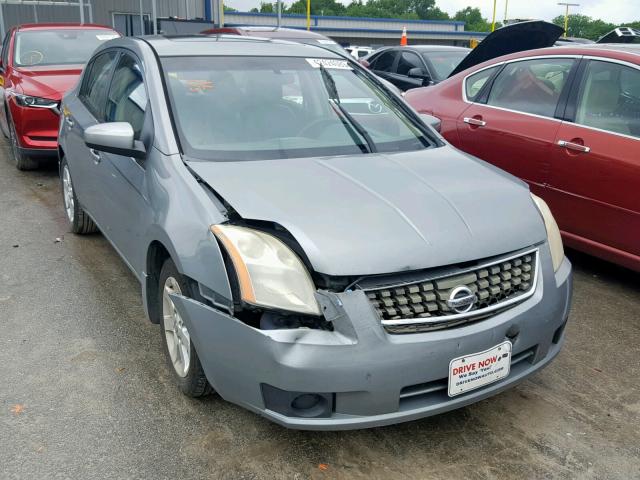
x,y
367,31
103,11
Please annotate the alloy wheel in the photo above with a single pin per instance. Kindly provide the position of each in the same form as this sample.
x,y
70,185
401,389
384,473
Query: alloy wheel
x,y
177,335
67,193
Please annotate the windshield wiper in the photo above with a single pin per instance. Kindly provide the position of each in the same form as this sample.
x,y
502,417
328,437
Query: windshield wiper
x,y
346,118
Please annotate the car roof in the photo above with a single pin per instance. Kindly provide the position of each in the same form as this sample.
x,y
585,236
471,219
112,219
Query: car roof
x,y
426,48
620,51
271,32
61,26
200,45
437,48
600,49
633,48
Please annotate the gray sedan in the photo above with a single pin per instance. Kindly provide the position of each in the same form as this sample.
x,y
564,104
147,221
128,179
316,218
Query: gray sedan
x,y
310,248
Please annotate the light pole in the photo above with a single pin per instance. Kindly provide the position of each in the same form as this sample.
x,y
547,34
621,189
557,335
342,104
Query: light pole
x,y
493,22
566,15
506,8
279,11
308,14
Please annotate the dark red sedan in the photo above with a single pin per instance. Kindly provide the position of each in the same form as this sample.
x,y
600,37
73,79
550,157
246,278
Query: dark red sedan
x,y
567,121
38,64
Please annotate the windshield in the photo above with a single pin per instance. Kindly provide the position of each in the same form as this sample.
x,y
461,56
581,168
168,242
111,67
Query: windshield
x,y
247,108
443,63
58,47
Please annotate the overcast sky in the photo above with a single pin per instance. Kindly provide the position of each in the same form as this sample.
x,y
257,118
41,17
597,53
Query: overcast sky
x,y
615,11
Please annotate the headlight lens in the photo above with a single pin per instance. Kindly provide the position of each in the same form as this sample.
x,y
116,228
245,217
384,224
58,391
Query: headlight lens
x,y
553,232
270,273
31,101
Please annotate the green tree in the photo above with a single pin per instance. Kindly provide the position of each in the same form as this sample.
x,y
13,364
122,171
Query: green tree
x,y
583,26
383,9
437,14
474,22
318,7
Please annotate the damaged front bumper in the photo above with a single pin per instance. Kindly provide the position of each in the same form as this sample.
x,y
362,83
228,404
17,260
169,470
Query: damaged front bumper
x,y
373,378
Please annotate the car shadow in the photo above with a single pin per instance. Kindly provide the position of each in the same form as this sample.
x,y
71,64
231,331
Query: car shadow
x,y
607,271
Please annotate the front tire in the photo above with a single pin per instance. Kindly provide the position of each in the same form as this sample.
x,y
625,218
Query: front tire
x,y
21,161
179,350
80,221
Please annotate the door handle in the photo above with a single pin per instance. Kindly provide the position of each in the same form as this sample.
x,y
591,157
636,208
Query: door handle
x,y
573,146
476,122
96,155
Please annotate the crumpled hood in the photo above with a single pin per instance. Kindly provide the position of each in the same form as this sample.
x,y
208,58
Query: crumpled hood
x,y
383,213
48,83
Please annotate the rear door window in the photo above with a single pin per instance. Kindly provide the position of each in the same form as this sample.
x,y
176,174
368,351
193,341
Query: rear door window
x,y
95,84
531,86
609,98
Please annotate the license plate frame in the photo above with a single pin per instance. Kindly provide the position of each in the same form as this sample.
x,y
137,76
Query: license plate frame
x,y
475,370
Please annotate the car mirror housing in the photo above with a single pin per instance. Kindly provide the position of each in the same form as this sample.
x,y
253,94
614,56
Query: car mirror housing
x,y
417,72
114,137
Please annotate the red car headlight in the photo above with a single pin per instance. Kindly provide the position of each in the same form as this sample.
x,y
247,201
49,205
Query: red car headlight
x,y
36,102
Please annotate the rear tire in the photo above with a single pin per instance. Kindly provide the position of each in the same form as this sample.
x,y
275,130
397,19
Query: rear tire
x,y
21,161
79,220
180,352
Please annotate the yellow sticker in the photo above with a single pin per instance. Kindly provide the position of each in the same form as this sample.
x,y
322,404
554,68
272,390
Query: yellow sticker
x,y
1,81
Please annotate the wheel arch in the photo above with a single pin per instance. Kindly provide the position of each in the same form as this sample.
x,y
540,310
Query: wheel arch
x,y
157,254
202,264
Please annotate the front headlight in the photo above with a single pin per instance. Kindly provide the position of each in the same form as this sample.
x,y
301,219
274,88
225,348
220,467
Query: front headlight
x,y
270,274
31,101
553,232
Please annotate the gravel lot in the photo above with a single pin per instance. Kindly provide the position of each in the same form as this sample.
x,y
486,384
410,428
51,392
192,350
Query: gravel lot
x,y
85,391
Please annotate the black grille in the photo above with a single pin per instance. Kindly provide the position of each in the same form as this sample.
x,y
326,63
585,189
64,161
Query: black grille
x,y
492,284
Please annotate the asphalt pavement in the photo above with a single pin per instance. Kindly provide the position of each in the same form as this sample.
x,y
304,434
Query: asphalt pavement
x,y
85,392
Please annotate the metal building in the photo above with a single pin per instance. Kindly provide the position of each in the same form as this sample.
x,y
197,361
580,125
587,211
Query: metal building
x,y
123,15
366,31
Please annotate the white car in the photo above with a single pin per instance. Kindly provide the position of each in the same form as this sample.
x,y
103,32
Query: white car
x,y
359,52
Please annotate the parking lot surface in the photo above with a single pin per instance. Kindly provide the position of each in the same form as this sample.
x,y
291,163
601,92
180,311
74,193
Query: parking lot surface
x,y
85,391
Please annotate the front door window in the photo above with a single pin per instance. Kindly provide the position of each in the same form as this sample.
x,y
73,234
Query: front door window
x,y
531,86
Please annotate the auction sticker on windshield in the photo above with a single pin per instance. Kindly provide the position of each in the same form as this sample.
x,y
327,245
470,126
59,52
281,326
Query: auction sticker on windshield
x,y
329,63
479,369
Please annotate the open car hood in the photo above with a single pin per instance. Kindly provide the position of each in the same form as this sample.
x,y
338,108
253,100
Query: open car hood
x,y
513,38
621,35
383,213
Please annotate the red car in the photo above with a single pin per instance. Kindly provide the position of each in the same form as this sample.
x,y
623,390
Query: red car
x,y
38,64
567,121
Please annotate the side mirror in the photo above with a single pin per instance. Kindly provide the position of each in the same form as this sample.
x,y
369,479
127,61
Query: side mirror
x,y
417,72
114,137
433,122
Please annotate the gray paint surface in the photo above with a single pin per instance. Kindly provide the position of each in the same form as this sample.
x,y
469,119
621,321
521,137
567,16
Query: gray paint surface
x,y
403,211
